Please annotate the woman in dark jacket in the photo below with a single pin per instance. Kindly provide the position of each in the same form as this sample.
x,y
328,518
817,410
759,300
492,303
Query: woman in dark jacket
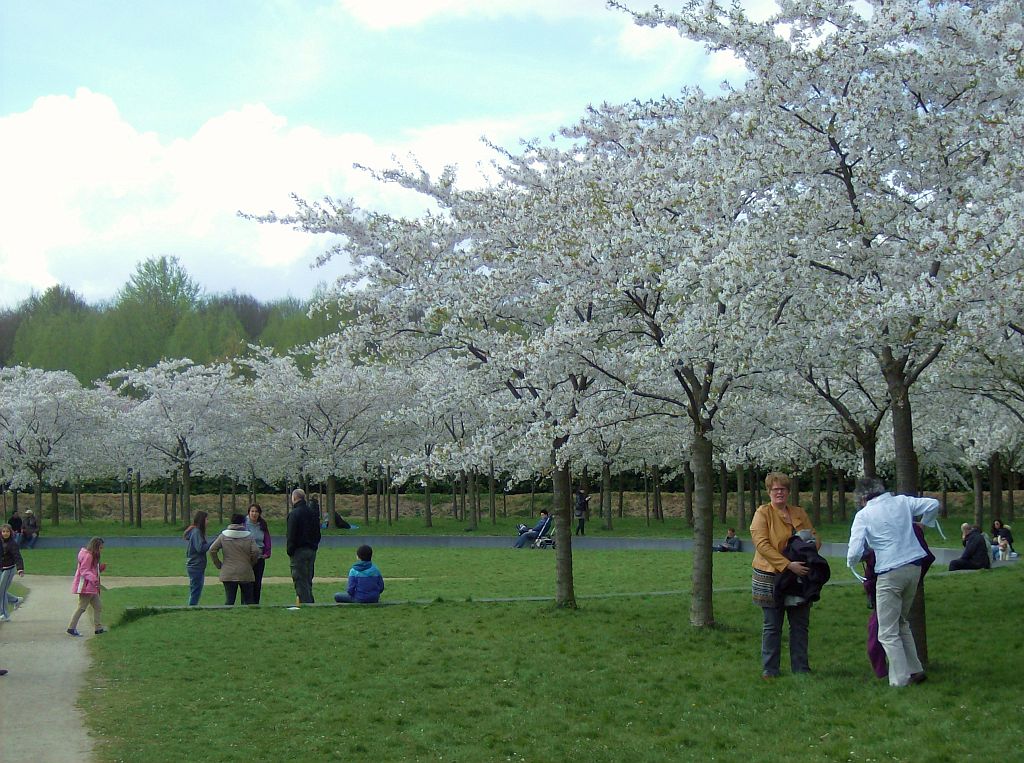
x,y
999,530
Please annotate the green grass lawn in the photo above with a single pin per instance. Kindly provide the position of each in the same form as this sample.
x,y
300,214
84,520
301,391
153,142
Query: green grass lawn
x,y
622,678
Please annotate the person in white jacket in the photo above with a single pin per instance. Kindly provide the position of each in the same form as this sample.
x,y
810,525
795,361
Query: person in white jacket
x,y
885,525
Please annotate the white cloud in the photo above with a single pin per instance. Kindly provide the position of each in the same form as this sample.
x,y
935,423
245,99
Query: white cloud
x,y
86,196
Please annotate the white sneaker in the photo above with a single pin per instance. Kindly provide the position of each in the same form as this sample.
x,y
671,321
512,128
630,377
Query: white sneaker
x,y
5,618
18,601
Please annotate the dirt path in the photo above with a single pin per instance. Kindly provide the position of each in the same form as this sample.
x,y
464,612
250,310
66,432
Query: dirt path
x,y
47,673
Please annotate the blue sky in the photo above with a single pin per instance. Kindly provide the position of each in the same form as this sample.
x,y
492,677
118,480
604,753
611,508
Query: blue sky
x,y
133,130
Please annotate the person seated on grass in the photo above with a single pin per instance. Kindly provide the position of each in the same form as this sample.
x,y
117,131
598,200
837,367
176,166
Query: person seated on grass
x,y
731,542
976,553
365,583
530,535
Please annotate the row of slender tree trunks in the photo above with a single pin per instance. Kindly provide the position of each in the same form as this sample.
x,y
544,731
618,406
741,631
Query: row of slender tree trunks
x,y
739,491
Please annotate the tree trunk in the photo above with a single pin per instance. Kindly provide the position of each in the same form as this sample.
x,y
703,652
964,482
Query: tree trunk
x,y
388,490
816,494
492,485
741,497
174,499
647,498
332,497
659,506
894,372
996,486
138,497
186,493
366,493
701,605
606,494
167,490
474,507
723,493
688,493
622,492
533,495
841,490
561,498
1012,480
54,511
379,488
120,484
944,501
234,496
919,624
131,498
830,507
979,496
428,513
54,500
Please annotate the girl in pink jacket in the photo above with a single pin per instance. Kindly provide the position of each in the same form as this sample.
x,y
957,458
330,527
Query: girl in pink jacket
x,y
87,586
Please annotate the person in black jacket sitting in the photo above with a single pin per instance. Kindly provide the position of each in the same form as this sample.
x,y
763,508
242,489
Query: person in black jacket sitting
x,y
976,554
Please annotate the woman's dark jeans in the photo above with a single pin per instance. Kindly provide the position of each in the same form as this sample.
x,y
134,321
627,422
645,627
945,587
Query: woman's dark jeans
x,y
771,638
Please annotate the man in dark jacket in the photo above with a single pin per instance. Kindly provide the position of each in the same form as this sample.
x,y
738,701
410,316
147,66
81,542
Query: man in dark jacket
x,y
303,539
975,555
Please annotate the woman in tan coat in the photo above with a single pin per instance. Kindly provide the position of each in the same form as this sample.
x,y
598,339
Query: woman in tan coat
x,y
240,554
771,528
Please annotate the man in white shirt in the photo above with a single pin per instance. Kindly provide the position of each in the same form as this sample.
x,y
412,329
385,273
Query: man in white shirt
x,y
885,525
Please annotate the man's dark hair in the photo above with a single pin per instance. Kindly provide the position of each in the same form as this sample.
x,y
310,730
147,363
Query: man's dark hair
x,y
238,519
544,511
868,488
365,553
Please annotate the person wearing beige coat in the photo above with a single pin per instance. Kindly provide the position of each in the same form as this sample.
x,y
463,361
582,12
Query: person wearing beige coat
x,y
240,554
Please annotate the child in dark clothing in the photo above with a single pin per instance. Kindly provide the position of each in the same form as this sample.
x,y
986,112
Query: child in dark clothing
x,y
365,583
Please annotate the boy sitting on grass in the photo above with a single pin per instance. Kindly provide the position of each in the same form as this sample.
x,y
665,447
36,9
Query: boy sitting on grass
x,y
365,583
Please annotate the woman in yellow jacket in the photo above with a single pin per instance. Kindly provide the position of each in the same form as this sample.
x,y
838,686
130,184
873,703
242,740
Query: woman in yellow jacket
x,y
771,528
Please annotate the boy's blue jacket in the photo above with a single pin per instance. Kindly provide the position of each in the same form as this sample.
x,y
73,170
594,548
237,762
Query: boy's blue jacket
x,y
365,583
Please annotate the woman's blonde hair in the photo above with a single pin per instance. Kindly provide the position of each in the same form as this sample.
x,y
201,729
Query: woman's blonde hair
x,y
776,478
93,547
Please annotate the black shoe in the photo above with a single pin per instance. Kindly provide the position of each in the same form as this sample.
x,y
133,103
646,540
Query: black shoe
x,y
917,678
100,630
73,632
